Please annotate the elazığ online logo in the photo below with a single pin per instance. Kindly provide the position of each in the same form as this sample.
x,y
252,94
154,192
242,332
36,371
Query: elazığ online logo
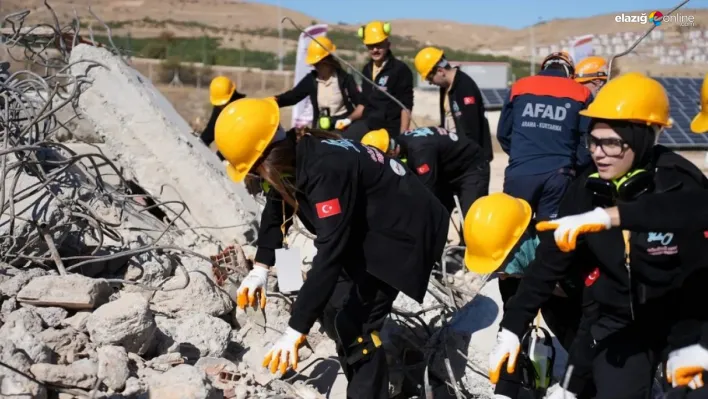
x,y
657,18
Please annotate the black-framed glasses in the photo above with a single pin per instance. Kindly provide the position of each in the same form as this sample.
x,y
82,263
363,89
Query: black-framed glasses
x,y
612,147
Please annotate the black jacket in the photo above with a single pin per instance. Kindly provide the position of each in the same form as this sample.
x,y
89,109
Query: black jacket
x,y
396,79
207,135
467,108
368,211
438,156
308,87
660,292
673,211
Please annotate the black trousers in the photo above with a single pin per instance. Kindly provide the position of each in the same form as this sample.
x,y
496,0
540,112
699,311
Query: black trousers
x,y
469,187
687,393
562,315
625,362
358,129
358,306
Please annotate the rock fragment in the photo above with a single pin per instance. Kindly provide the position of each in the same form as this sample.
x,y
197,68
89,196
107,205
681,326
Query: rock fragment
x,y
72,291
51,316
206,335
126,322
14,284
66,344
113,366
200,296
12,384
182,382
77,321
81,374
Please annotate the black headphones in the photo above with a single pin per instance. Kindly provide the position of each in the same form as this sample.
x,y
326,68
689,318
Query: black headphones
x,y
627,188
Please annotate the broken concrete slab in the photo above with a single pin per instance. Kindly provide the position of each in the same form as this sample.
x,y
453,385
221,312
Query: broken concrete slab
x,y
13,285
77,321
113,366
51,316
72,291
25,320
194,335
127,322
182,382
80,374
158,146
13,384
66,343
200,296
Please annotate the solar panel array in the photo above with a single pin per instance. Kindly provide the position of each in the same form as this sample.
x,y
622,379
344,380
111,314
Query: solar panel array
x,y
684,98
494,98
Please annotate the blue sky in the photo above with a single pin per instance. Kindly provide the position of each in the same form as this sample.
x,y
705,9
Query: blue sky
x,y
509,13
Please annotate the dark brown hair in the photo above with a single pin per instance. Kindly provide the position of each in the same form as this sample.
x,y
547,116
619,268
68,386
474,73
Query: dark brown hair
x,y
332,61
277,166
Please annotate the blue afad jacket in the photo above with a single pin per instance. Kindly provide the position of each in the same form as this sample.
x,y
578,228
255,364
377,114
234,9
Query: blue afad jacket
x,y
540,127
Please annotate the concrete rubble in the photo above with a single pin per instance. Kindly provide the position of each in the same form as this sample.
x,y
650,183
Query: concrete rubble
x,y
107,287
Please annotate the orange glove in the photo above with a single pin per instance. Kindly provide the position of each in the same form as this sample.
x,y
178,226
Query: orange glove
x,y
253,285
685,366
505,351
567,229
283,354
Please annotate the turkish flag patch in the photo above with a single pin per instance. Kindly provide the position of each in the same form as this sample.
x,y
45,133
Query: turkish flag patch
x,y
592,277
423,169
328,208
469,100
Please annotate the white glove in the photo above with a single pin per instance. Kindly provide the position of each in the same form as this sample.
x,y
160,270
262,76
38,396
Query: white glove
x,y
507,348
254,284
560,393
686,365
567,229
283,353
342,124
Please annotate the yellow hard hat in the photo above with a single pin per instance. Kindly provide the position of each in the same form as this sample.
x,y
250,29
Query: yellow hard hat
x,y
493,225
243,131
426,60
317,52
591,68
220,90
374,32
631,97
378,139
700,122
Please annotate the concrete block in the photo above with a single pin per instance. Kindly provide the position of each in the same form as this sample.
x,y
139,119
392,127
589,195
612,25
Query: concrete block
x,y
157,145
73,291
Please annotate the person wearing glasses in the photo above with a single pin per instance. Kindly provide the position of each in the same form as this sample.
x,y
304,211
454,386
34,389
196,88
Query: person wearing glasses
x,y
673,211
392,76
647,283
461,103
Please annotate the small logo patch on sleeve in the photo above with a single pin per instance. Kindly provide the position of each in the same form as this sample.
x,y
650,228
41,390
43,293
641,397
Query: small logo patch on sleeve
x,y
469,100
423,169
328,208
592,277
